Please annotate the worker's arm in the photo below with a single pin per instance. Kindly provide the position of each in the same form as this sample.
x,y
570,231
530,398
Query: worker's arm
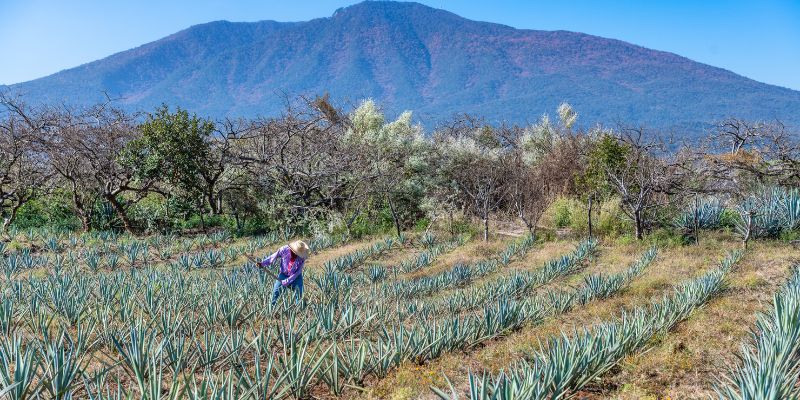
x,y
271,258
288,281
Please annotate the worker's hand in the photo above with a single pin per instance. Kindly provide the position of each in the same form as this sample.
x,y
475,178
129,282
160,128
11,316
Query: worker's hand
x,y
254,260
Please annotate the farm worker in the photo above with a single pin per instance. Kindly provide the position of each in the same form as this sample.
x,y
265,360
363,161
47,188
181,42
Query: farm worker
x,y
292,256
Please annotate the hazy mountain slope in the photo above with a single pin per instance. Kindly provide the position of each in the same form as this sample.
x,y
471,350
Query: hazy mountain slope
x,y
410,56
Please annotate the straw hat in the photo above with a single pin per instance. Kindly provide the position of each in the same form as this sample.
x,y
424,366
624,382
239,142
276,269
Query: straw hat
x,y
300,248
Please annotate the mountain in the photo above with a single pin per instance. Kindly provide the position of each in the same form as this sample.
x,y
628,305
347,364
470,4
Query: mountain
x,y
410,56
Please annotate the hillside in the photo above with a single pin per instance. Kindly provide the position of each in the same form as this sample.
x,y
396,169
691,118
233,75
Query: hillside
x,y
410,56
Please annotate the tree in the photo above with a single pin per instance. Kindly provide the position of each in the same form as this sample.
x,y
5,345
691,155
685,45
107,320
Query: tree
x,y
180,150
88,152
603,153
474,162
748,154
636,173
24,171
302,168
544,158
393,159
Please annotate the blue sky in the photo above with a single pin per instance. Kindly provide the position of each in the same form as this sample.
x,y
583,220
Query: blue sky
x,y
758,39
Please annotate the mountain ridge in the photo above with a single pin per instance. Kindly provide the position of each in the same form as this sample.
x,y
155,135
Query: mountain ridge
x,y
411,56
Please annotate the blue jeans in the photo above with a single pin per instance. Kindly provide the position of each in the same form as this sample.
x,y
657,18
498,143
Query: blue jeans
x,y
296,286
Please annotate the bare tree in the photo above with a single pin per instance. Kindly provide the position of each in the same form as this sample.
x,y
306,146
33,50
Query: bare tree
x,y
88,152
24,170
644,180
301,165
745,154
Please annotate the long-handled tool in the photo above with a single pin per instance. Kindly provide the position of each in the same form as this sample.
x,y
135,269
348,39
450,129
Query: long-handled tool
x,y
258,264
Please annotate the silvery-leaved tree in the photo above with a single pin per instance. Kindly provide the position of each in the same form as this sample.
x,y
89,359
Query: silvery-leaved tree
x,y
542,160
394,158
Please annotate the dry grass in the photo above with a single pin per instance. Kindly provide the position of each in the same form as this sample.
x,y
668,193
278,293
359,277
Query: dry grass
x,y
686,363
473,250
318,260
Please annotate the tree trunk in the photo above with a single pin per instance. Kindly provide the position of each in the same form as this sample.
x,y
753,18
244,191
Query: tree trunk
x,y
80,209
213,203
84,221
6,223
637,216
746,238
486,228
349,223
696,220
12,215
120,210
450,222
202,218
591,205
238,223
394,215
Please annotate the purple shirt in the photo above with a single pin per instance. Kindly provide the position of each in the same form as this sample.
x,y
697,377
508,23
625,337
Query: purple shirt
x,y
285,254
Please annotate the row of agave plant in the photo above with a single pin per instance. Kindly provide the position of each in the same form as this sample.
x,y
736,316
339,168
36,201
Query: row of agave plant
x,y
332,282
459,275
567,363
210,254
337,275
261,363
425,338
207,315
169,334
432,251
511,286
350,261
430,254
104,242
770,361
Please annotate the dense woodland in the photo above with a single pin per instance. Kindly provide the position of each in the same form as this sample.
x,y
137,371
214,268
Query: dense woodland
x,y
319,167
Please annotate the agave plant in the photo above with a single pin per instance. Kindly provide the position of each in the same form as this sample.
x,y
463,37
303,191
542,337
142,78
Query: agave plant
x,y
19,366
768,367
768,212
92,260
300,361
428,239
707,214
141,356
62,367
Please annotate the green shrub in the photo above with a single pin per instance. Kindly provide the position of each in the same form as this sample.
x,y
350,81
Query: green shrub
x,y
53,211
422,224
728,218
789,235
465,226
563,214
668,238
